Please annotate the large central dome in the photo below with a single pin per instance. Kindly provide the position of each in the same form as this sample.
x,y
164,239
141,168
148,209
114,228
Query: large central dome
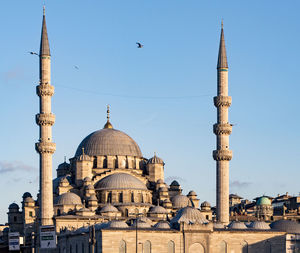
x,y
108,141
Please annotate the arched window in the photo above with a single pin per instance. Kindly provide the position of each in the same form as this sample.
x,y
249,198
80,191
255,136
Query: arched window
x,y
132,197
196,248
122,248
58,212
105,162
222,247
109,197
171,247
121,197
147,247
95,162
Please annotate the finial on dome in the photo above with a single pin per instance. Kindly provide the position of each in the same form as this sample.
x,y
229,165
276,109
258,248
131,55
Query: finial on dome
x,y
65,158
44,9
83,151
222,23
108,124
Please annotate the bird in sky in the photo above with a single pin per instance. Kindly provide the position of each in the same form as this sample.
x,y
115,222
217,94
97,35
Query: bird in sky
x,y
33,53
139,45
76,67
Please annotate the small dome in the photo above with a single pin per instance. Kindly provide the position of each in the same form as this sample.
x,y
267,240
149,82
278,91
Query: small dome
x,y
263,201
109,209
237,225
160,181
205,204
163,189
13,206
109,141
26,194
162,225
174,183
158,210
180,201
218,225
141,224
259,225
286,226
29,200
93,197
155,160
69,198
63,166
189,215
117,224
192,193
120,181
90,187
84,157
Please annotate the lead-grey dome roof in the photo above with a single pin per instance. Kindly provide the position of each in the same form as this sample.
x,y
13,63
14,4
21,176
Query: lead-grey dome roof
x,y
117,224
259,225
286,226
180,201
108,142
109,209
69,198
120,181
162,225
189,215
237,225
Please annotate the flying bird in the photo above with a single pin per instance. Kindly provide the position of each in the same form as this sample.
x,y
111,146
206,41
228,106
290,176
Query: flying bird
x,y
76,67
139,45
34,53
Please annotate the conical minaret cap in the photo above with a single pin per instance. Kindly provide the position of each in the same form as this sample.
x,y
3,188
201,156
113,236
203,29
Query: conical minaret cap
x,y
44,48
222,58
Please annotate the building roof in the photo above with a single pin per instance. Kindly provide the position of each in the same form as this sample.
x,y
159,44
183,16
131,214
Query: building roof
x,y
141,224
13,206
174,183
259,225
189,215
120,181
286,226
180,201
26,194
109,141
205,204
68,198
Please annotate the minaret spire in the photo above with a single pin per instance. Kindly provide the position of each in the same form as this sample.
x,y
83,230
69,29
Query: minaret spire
x,y
222,58
222,130
45,119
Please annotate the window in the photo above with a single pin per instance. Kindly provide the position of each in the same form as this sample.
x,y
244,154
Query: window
x,y
122,247
121,197
15,218
109,197
171,247
132,197
58,212
223,247
30,214
147,247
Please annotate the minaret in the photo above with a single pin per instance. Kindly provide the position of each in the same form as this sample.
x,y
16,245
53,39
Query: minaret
x,y
222,130
45,119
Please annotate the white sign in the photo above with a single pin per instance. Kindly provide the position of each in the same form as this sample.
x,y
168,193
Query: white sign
x,y
47,237
14,241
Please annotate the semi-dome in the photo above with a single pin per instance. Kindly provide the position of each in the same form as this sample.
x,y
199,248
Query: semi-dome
x,y
205,204
120,181
189,215
117,224
263,201
69,198
180,201
162,225
259,225
108,141
237,225
286,226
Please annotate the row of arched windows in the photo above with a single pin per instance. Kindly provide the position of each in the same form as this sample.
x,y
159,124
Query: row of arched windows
x,y
146,247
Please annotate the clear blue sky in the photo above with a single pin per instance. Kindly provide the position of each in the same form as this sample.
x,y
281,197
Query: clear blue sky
x,y
160,95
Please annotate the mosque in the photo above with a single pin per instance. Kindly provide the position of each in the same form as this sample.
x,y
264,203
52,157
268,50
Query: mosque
x,y
110,198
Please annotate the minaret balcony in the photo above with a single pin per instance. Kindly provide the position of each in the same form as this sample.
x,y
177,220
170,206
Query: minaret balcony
x,y
45,147
222,101
45,119
44,89
222,129
222,155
